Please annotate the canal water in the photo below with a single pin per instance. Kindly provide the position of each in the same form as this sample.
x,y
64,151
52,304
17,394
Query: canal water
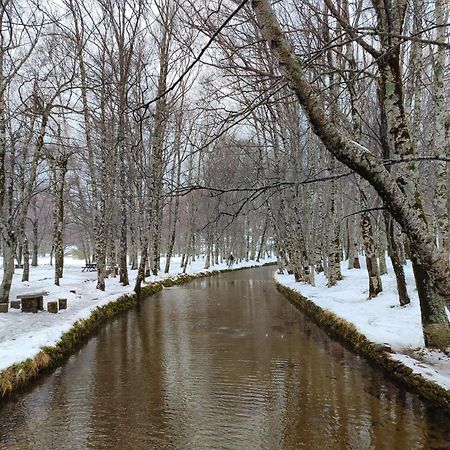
x,y
220,363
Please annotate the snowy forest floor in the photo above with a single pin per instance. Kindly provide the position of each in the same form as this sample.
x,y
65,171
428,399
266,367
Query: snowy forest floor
x,y
23,335
382,320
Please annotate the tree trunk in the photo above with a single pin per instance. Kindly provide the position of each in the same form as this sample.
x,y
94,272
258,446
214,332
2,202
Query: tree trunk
x,y
157,149
26,261
434,317
59,172
400,141
398,202
441,194
123,245
263,239
35,234
382,253
396,261
133,245
101,248
173,235
142,267
334,264
8,269
375,285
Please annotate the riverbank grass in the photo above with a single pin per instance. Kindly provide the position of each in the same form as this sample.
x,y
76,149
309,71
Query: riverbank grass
x,y
76,331
386,334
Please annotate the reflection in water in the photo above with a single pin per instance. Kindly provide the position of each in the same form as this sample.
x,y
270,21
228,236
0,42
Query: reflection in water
x,y
224,362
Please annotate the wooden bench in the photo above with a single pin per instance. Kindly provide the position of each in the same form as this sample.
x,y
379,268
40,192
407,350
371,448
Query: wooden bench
x,y
89,267
33,301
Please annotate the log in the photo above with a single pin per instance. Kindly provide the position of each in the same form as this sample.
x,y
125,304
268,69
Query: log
x,y
52,307
62,302
16,304
3,307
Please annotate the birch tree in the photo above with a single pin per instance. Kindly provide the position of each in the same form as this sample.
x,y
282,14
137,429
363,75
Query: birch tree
x,y
398,194
441,13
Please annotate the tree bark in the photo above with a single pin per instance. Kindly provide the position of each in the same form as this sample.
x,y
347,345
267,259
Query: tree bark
x,y
375,285
8,268
397,265
59,169
440,113
358,158
26,261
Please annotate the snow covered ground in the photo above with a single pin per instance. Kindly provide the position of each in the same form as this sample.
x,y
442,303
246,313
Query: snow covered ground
x,y
382,320
23,335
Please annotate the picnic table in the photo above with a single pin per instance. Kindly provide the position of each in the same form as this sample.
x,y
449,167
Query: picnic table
x,y
32,301
90,267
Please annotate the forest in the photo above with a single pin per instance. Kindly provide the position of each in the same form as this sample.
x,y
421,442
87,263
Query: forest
x,y
317,130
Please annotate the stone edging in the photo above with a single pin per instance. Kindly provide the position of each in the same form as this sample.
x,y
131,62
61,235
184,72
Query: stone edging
x,y
346,332
21,374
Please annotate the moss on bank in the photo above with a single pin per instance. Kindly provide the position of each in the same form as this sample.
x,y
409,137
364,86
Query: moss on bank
x,y
346,332
21,374
18,375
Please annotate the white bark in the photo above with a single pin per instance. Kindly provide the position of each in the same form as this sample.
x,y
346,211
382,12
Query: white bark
x,y
399,202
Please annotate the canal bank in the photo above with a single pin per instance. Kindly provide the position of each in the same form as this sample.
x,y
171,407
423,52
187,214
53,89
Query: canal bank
x,y
220,362
374,329
70,331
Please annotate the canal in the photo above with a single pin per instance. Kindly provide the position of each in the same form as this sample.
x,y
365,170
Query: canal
x,y
220,363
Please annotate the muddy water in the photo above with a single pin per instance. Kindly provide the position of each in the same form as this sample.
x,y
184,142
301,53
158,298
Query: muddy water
x,y
220,363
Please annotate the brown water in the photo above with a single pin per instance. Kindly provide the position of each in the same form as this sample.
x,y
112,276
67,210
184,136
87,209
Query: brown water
x,y
220,363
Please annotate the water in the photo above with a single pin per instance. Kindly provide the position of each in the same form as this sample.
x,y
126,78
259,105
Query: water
x,y
220,363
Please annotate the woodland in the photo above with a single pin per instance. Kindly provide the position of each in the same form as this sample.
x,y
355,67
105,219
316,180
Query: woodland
x,y
320,130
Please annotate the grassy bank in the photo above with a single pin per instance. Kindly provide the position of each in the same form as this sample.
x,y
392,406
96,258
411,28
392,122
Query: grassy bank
x,y
344,331
19,375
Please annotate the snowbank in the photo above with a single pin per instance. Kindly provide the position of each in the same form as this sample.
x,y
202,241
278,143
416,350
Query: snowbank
x,y
382,320
23,335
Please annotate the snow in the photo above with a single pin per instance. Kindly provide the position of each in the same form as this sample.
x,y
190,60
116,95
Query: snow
x,y
23,335
381,319
433,367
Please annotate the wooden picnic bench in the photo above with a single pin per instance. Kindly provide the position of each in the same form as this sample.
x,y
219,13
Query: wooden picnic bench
x,y
89,267
32,301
